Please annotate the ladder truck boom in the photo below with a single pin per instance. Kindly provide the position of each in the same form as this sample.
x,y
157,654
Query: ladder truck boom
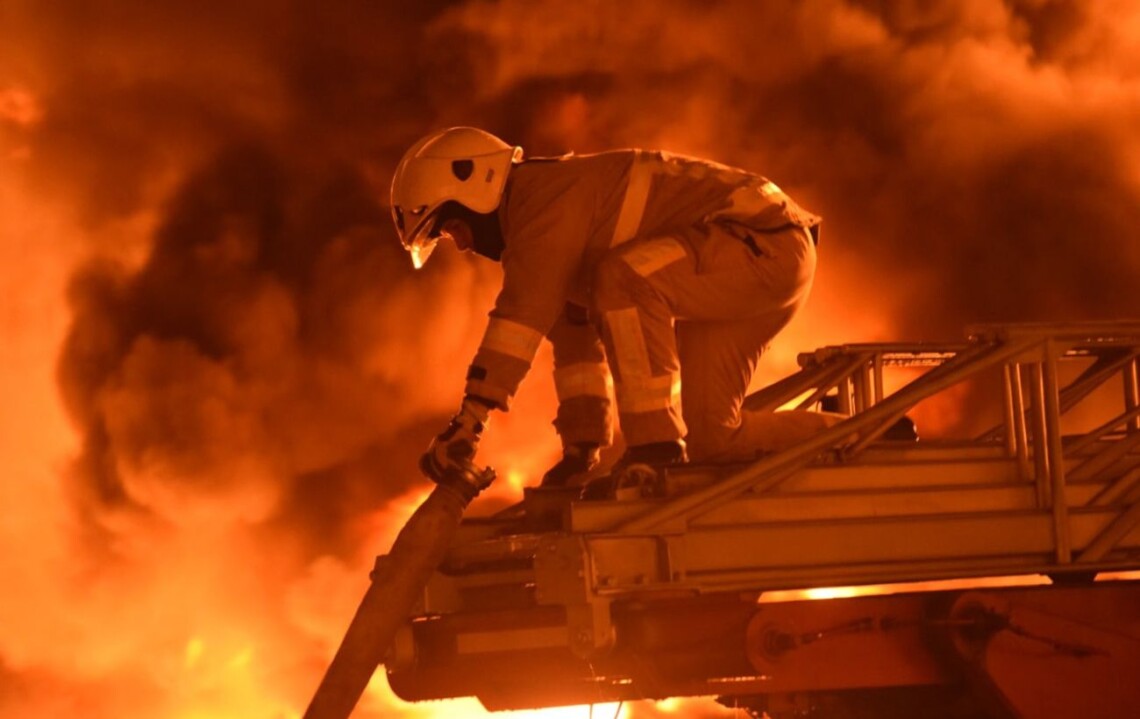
x,y
981,566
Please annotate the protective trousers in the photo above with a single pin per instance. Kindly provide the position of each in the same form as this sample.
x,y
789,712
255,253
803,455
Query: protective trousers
x,y
685,319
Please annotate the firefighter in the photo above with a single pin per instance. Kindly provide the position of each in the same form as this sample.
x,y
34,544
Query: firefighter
x,y
658,279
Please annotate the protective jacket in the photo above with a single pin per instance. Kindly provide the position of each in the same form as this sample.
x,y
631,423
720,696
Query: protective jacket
x,y
560,219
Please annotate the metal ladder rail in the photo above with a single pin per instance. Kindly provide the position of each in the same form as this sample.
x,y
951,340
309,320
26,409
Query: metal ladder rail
x,y
770,471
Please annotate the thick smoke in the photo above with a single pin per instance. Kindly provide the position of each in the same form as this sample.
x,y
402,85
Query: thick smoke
x,y
252,366
978,160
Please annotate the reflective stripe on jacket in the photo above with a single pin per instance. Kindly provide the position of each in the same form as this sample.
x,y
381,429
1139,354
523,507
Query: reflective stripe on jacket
x,y
560,216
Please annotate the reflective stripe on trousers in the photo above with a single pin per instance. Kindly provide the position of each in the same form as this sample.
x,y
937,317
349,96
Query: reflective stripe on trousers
x,y
725,314
583,379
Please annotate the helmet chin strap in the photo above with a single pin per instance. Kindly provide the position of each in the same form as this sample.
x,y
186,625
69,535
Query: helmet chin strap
x,y
486,230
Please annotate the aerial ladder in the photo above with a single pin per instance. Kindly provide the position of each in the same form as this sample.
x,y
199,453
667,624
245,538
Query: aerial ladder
x,y
995,569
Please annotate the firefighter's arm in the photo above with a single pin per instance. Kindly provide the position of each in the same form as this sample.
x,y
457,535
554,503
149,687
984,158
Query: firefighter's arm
x,y
500,363
545,238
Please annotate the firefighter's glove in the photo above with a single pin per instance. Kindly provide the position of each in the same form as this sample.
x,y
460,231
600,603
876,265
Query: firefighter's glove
x,y
450,459
577,459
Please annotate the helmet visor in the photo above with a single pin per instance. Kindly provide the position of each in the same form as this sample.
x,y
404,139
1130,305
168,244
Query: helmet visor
x,y
420,250
422,237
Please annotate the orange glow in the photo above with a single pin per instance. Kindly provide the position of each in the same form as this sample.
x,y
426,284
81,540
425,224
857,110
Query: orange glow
x,y
19,106
795,595
217,370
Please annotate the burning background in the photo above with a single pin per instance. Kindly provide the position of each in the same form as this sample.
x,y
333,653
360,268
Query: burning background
x,y
219,367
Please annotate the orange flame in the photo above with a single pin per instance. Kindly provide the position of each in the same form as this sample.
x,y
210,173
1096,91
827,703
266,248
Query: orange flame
x,y
909,122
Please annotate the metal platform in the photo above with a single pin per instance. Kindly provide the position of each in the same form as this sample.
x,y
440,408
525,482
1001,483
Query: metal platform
x,y
562,601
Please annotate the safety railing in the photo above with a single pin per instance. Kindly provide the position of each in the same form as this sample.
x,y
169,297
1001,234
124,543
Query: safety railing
x,y
1034,400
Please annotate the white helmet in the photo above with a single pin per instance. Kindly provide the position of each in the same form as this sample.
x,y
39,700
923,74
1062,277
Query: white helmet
x,y
463,164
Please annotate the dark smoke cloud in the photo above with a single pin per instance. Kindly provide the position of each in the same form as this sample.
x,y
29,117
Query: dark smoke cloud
x,y
271,361
256,332
271,336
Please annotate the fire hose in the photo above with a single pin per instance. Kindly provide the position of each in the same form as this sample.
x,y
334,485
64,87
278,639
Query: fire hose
x,y
397,582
